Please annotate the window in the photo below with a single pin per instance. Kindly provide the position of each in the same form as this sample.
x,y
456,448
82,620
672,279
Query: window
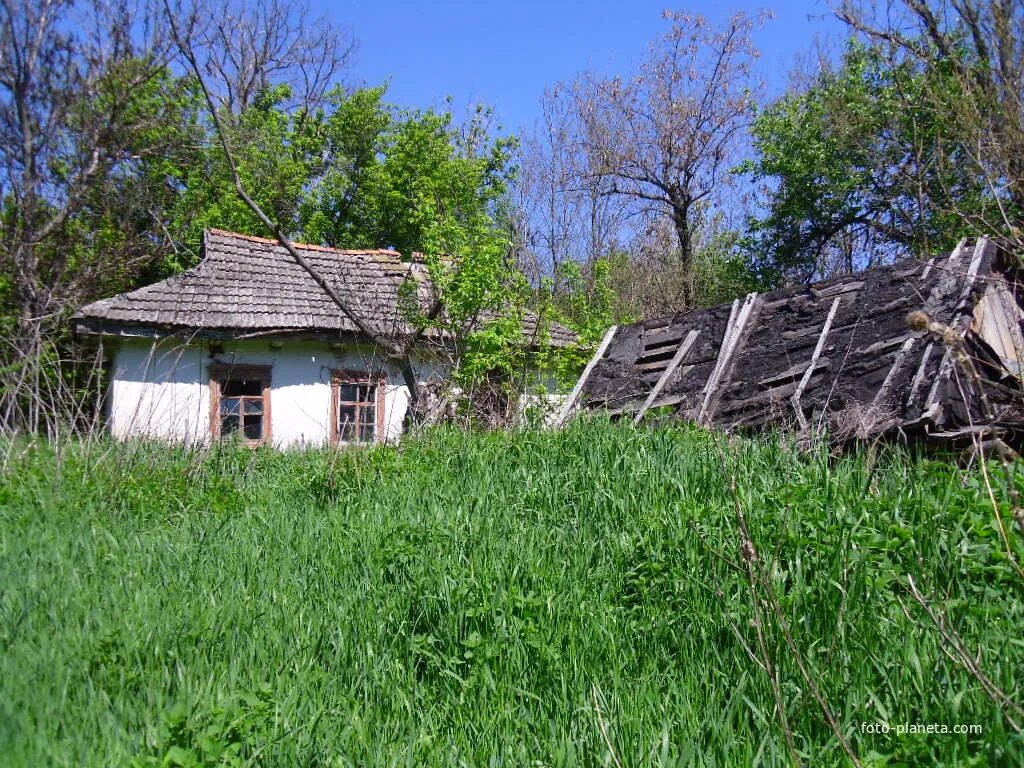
x,y
240,396
357,410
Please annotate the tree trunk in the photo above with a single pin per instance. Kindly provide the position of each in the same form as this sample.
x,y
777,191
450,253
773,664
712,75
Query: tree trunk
x,y
684,234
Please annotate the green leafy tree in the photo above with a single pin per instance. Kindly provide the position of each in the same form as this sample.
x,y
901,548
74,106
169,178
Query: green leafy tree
x,y
850,174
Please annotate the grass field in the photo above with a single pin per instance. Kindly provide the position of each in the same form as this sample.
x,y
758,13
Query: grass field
x,y
533,599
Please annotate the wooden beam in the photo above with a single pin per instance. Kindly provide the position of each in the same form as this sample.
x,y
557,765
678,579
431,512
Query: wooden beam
x,y
811,365
932,404
682,351
569,404
730,341
915,385
980,248
955,254
897,363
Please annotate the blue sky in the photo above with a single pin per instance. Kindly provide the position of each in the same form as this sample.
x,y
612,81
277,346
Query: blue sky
x,y
505,54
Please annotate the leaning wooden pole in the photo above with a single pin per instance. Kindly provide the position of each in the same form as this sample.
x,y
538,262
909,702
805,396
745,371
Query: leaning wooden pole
x,y
681,352
570,403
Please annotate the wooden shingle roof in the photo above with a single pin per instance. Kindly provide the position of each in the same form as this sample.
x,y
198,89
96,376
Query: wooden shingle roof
x,y
248,284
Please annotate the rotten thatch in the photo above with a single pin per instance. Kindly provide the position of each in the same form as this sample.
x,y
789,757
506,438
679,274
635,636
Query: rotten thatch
x,y
920,348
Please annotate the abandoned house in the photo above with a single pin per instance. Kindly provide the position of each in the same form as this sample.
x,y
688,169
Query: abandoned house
x,y
920,349
248,344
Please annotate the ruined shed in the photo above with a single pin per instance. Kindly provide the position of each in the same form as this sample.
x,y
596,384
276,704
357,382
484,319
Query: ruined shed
x,y
923,348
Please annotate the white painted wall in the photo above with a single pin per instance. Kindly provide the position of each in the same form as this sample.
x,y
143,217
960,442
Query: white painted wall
x,y
155,391
161,388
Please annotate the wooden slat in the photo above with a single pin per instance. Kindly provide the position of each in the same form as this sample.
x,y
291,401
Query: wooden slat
x,y
932,404
1012,317
883,346
681,352
997,319
569,404
890,377
811,365
915,385
840,288
957,252
730,341
790,373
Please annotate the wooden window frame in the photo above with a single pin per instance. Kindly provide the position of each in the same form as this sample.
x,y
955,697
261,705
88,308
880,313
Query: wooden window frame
x,y
346,376
219,371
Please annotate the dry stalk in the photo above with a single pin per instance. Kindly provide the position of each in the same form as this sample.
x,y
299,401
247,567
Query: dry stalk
x,y
957,650
749,556
759,583
602,723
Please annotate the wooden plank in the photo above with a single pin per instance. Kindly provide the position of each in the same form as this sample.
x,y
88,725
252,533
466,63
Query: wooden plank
x,y
883,346
840,288
681,352
799,333
790,373
915,385
997,321
957,252
795,400
972,272
569,404
1012,317
730,341
726,336
890,377
933,404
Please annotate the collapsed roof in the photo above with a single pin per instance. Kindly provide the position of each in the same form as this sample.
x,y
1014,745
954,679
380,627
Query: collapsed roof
x,y
929,348
252,286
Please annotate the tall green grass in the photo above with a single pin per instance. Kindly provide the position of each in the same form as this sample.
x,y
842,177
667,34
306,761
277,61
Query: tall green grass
x,y
531,599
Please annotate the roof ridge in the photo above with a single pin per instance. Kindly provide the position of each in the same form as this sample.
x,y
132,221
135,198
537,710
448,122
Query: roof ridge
x,y
306,246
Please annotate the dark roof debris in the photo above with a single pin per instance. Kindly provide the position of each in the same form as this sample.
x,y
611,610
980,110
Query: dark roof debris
x,y
837,355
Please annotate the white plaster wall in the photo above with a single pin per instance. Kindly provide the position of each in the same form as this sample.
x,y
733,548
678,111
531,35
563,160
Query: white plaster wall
x,y
162,390
156,390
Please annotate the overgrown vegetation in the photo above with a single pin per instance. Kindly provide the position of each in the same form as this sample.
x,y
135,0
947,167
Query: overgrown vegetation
x,y
537,598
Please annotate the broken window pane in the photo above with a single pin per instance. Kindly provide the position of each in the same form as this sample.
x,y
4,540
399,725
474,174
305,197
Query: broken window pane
x,y
228,423
241,408
367,415
241,388
356,411
253,428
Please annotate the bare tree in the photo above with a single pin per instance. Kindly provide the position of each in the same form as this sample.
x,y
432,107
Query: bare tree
x,y
70,75
569,214
249,46
667,137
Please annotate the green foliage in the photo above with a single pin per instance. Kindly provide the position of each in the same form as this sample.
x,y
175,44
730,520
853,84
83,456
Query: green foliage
x,y
231,734
588,304
359,173
722,269
535,598
848,167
